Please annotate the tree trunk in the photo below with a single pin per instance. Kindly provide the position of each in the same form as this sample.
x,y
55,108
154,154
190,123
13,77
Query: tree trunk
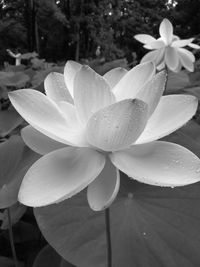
x,y
77,41
28,23
32,25
78,37
37,39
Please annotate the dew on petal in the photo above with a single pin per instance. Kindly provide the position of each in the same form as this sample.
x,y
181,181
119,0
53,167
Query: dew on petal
x,y
117,126
130,195
198,170
166,167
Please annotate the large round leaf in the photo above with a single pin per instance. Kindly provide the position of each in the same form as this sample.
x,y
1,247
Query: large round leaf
x,y
16,79
9,120
15,160
48,257
187,136
16,212
6,262
195,91
177,81
150,226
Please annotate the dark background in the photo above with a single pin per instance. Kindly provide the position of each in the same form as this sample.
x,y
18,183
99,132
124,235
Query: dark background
x,y
59,30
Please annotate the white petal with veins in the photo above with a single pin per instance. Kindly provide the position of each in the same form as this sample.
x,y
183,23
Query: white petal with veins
x,y
194,46
186,59
144,38
60,175
171,58
39,142
103,190
118,125
152,91
56,88
172,112
45,116
91,93
155,45
114,76
187,54
159,163
182,43
166,31
70,70
133,81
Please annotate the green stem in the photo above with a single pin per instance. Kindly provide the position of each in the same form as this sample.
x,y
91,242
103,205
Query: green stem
x,y
12,244
167,74
108,238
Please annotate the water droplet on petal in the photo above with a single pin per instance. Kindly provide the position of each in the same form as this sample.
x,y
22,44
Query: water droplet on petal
x,y
4,186
198,170
130,195
166,167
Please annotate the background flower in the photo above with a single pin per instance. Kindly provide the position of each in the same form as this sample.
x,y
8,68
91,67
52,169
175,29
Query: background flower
x,y
168,49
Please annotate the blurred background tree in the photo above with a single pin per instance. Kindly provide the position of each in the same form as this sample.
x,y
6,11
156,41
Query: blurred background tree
x,y
87,29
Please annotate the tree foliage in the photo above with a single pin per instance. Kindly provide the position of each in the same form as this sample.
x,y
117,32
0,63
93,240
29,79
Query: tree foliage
x,y
88,29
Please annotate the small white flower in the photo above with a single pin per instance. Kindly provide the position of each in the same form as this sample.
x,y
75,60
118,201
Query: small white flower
x,y
88,126
168,49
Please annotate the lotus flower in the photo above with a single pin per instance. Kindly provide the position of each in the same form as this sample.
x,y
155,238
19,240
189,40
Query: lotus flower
x,y
168,49
87,126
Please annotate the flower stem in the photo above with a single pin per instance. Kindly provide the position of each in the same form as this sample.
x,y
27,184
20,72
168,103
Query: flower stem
x,y
12,238
167,74
108,238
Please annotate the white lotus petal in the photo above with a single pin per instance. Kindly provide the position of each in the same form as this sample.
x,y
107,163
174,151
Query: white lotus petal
x,y
91,93
155,44
194,46
160,57
172,112
159,163
175,38
144,38
166,31
70,70
186,59
178,69
39,142
114,76
182,43
171,58
103,190
188,54
45,116
70,113
60,175
150,56
56,88
152,91
118,125
156,56
133,81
